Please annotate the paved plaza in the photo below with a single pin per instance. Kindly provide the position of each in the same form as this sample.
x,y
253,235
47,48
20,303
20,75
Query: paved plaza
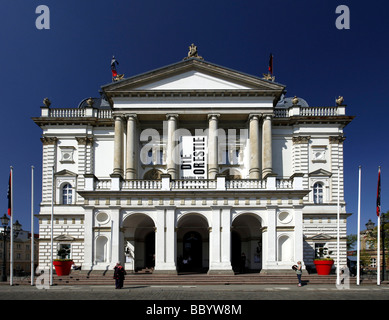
x,y
194,302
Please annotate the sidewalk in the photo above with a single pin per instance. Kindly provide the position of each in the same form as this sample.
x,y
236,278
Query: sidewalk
x,y
189,292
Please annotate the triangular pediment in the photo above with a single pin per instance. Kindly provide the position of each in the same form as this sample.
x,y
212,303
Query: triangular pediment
x,y
321,236
64,237
193,74
320,173
65,173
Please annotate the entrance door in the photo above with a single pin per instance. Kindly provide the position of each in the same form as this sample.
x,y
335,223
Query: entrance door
x,y
150,250
192,251
235,251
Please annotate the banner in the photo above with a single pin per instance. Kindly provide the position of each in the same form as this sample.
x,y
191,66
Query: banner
x,y
193,157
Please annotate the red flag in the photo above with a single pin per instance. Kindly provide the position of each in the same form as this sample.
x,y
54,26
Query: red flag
x,y
271,64
9,195
379,193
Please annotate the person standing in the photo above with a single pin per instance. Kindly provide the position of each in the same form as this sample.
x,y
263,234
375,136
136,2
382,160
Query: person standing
x,y
118,275
299,271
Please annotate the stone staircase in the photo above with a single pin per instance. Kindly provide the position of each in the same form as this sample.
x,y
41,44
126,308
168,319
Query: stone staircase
x,y
147,278
192,279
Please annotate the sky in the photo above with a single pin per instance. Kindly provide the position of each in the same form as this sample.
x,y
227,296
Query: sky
x,y
317,61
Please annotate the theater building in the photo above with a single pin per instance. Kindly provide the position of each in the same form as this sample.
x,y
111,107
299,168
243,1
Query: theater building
x,y
189,166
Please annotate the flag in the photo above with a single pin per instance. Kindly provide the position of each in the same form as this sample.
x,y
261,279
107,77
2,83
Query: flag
x,y
9,195
114,62
271,64
379,193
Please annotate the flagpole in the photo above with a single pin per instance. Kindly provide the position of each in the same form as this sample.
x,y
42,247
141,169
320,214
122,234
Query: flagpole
x,y
337,233
379,236
11,254
52,225
359,228
32,226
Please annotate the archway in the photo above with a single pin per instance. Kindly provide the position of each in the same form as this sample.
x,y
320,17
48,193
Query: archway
x,y
246,238
139,242
192,244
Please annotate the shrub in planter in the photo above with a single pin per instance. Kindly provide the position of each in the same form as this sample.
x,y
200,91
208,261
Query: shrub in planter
x,y
322,262
63,265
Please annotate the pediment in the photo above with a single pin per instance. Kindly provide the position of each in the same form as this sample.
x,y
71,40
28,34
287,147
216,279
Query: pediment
x,y
64,237
320,173
321,236
65,173
190,75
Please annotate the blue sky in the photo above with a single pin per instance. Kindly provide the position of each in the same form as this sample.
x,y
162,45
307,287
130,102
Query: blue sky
x,y
315,60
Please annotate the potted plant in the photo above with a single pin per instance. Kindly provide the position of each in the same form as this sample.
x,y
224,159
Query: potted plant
x,y
323,262
63,265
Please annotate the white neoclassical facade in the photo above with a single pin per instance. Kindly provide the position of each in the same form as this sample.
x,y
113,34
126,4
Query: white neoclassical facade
x,y
189,166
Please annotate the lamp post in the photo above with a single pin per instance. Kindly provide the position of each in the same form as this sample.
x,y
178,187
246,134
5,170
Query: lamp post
x,y
4,223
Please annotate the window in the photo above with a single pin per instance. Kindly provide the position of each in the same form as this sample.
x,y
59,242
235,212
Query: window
x,y
318,193
67,194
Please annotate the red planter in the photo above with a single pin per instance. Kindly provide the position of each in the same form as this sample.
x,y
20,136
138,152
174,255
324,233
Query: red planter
x,y
62,268
323,267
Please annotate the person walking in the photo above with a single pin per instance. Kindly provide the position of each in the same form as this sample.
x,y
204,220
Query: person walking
x,y
299,271
118,275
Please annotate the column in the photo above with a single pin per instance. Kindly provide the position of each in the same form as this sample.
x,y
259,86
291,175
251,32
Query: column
x,y
165,241
219,242
298,234
131,147
118,147
255,163
267,163
269,260
171,156
88,239
213,166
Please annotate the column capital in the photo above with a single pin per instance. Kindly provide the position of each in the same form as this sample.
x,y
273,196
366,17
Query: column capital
x,y
212,116
254,116
118,116
49,140
131,115
172,115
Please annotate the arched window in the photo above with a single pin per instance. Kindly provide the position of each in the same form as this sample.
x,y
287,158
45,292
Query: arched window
x,y
67,194
318,193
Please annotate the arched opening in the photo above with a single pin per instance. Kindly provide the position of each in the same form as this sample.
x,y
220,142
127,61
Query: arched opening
x,y
139,243
246,243
192,244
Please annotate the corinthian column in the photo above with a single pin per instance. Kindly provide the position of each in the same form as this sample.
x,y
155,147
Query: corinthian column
x,y
171,156
213,166
118,147
267,162
255,162
131,143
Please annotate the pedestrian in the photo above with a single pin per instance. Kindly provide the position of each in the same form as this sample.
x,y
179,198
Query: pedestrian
x,y
118,275
299,271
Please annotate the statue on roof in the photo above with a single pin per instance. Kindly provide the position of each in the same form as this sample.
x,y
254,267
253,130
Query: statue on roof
x,y
193,53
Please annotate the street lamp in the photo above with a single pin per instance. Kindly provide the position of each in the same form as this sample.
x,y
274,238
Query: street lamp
x,y
4,222
17,227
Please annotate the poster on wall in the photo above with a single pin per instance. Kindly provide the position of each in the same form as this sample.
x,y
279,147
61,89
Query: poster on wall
x,y
193,157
